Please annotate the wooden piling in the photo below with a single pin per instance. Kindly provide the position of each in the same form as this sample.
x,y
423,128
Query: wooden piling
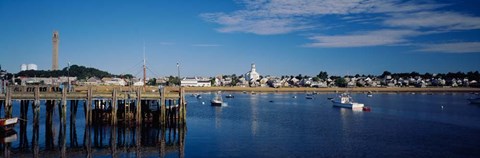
x,y
113,107
36,106
162,107
63,108
23,124
73,111
183,108
8,103
88,107
49,135
138,112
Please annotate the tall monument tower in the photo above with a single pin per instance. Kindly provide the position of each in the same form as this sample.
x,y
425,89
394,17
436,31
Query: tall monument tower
x,y
55,41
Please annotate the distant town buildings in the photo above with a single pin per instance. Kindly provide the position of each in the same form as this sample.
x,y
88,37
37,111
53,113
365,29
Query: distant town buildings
x,y
25,67
55,41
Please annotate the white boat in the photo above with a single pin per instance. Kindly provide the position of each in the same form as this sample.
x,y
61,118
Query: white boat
x,y
8,123
217,101
474,100
346,101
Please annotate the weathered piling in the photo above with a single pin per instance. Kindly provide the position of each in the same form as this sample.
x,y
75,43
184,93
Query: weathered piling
x,y
23,124
49,134
63,107
88,107
113,107
138,112
8,103
162,106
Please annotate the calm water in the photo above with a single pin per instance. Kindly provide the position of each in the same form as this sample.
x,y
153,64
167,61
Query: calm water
x,y
278,125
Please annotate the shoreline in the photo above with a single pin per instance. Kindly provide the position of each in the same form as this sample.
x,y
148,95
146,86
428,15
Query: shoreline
x,y
331,90
302,89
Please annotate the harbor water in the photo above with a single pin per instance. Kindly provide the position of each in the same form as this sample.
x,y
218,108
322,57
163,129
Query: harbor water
x,y
273,125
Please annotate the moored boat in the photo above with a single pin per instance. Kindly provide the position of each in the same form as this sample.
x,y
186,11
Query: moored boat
x,y
7,124
230,96
345,101
217,100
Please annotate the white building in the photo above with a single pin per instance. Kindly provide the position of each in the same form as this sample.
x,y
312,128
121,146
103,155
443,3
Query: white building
x,y
252,75
25,67
195,82
114,81
32,67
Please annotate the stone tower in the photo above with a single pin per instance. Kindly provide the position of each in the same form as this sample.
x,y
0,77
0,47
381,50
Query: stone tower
x,y
55,41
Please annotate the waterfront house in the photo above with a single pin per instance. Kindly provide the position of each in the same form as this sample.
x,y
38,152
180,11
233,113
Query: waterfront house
x,y
114,81
92,81
195,82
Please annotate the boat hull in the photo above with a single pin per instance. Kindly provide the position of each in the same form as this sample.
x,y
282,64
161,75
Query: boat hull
x,y
348,105
216,103
8,121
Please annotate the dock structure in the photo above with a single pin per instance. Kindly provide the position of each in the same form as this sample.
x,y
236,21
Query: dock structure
x,y
102,105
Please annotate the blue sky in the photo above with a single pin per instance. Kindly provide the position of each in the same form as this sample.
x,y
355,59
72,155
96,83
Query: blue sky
x,y
208,38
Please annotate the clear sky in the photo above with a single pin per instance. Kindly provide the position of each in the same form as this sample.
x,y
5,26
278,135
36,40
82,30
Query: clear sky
x,y
208,38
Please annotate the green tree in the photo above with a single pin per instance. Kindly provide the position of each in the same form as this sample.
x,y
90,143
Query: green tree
x,y
385,73
322,75
152,82
173,81
299,77
341,82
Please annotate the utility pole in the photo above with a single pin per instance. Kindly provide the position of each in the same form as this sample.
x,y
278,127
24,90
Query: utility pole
x,y
178,74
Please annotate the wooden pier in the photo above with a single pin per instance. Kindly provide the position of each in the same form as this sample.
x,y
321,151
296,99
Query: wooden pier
x,y
111,105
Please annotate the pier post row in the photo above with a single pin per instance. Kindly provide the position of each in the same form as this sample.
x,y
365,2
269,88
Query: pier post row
x,y
102,104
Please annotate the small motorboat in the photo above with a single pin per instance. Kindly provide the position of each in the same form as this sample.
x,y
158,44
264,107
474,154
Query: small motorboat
x,y
294,96
330,98
369,94
217,100
474,100
308,97
345,101
199,96
229,96
7,124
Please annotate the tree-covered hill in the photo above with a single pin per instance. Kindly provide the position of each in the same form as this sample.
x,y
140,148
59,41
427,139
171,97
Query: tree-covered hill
x,y
81,72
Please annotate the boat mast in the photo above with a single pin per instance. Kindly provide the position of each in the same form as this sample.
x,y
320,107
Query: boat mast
x,y
144,68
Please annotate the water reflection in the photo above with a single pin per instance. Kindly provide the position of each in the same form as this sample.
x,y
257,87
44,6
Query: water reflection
x,y
117,141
